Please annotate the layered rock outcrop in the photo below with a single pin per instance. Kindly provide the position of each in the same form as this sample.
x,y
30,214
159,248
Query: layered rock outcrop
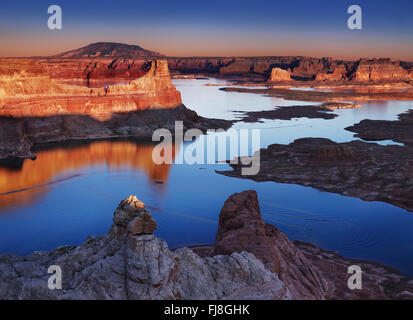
x,y
241,229
379,70
279,75
36,109
92,71
39,96
307,271
131,263
339,73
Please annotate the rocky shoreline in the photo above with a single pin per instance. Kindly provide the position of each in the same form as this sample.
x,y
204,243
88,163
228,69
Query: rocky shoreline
x,y
291,112
326,96
18,136
367,171
250,260
375,130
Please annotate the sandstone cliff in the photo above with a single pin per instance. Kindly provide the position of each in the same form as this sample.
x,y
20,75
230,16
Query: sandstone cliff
x,y
36,109
339,73
379,70
25,95
279,75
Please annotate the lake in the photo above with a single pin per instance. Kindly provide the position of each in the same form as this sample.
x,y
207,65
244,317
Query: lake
x,y
71,190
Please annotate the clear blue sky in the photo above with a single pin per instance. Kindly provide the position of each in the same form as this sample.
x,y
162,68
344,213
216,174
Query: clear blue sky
x,y
226,27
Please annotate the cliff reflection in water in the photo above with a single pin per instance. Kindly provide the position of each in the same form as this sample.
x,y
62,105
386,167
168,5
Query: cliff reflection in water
x,y
25,183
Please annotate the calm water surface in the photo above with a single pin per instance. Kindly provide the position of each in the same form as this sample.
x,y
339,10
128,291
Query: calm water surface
x,y
71,191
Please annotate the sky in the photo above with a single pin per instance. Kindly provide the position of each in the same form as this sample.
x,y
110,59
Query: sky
x,y
212,27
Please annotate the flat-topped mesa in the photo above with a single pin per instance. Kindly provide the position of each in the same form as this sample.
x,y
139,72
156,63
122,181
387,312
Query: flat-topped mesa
x,y
41,96
379,70
279,75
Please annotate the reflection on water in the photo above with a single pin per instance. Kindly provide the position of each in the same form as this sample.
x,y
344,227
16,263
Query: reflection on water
x,y
71,192
19,185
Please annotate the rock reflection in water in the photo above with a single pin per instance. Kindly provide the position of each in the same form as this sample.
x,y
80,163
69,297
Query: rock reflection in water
x,y
21,182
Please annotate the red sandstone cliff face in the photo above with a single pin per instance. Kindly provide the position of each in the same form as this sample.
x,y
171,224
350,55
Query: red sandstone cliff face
x,y
28,95
93,69
379,70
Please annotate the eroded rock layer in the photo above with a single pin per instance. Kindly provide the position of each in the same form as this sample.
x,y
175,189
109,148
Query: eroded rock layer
x,y
308,272
25,95
255,261
131,263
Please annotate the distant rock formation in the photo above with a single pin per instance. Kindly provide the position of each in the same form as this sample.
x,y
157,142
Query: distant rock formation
x,y
279,75
379,70
131,263
367,171
109,50
338,74
238,66
93,71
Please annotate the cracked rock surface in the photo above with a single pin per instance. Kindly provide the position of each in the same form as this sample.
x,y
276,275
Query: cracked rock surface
x,y
125,265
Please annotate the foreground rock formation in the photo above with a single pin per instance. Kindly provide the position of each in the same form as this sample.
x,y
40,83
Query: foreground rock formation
x,y
131,263
250,260
241,229
307,271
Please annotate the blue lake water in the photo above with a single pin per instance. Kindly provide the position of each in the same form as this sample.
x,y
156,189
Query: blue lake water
x,y
71,192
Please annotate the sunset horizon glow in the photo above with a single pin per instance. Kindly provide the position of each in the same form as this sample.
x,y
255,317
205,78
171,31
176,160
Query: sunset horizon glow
x,y
213,29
